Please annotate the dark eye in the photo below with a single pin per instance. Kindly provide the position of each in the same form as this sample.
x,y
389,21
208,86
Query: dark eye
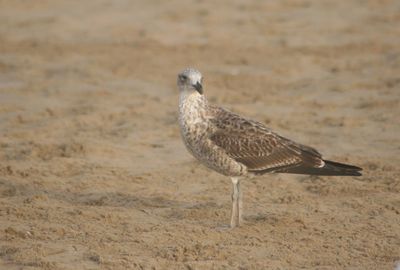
x,y
183,77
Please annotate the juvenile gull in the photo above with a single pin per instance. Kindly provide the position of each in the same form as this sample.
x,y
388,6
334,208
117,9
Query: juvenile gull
x,y
235,146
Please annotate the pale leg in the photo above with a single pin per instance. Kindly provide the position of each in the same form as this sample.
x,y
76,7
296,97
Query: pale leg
x,y
236,203
240,203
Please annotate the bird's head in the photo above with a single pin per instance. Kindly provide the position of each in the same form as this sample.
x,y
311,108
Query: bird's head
x,y
190,79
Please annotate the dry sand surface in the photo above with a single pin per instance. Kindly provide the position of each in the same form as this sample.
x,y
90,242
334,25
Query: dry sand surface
x,y
93,174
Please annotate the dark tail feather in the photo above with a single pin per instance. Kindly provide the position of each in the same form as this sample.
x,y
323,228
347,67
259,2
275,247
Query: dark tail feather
x,y
330,168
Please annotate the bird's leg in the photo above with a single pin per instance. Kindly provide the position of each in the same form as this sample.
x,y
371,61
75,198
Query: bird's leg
x,y
236,203
240,203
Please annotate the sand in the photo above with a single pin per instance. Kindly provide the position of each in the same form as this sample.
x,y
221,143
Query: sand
x,y
93,174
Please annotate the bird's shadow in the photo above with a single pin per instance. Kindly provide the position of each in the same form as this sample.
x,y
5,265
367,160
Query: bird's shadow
x,y
117,199
170,209
99,199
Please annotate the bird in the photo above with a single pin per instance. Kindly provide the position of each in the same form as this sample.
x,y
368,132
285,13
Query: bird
x,y
239,147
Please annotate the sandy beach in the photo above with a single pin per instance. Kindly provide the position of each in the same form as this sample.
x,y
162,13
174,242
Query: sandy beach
x,y
93,172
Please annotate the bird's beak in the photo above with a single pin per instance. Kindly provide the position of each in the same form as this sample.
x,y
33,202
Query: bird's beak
x,y
198,87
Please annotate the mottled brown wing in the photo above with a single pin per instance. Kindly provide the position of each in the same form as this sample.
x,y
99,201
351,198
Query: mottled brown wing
x,y
255,146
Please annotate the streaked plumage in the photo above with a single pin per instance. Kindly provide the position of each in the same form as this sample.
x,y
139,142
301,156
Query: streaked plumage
x,y
236,146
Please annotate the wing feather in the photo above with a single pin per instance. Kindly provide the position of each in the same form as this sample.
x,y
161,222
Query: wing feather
x,y
252,144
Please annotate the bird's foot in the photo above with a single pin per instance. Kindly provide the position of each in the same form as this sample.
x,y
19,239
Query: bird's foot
x,y
223,228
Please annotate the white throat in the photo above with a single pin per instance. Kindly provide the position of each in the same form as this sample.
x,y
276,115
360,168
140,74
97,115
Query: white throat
x,y
192,107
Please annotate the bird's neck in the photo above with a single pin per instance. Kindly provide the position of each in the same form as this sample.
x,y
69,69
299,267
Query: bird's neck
x,y
192,107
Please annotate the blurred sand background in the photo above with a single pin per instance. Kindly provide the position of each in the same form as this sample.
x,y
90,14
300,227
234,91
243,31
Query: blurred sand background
x,y
93,174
